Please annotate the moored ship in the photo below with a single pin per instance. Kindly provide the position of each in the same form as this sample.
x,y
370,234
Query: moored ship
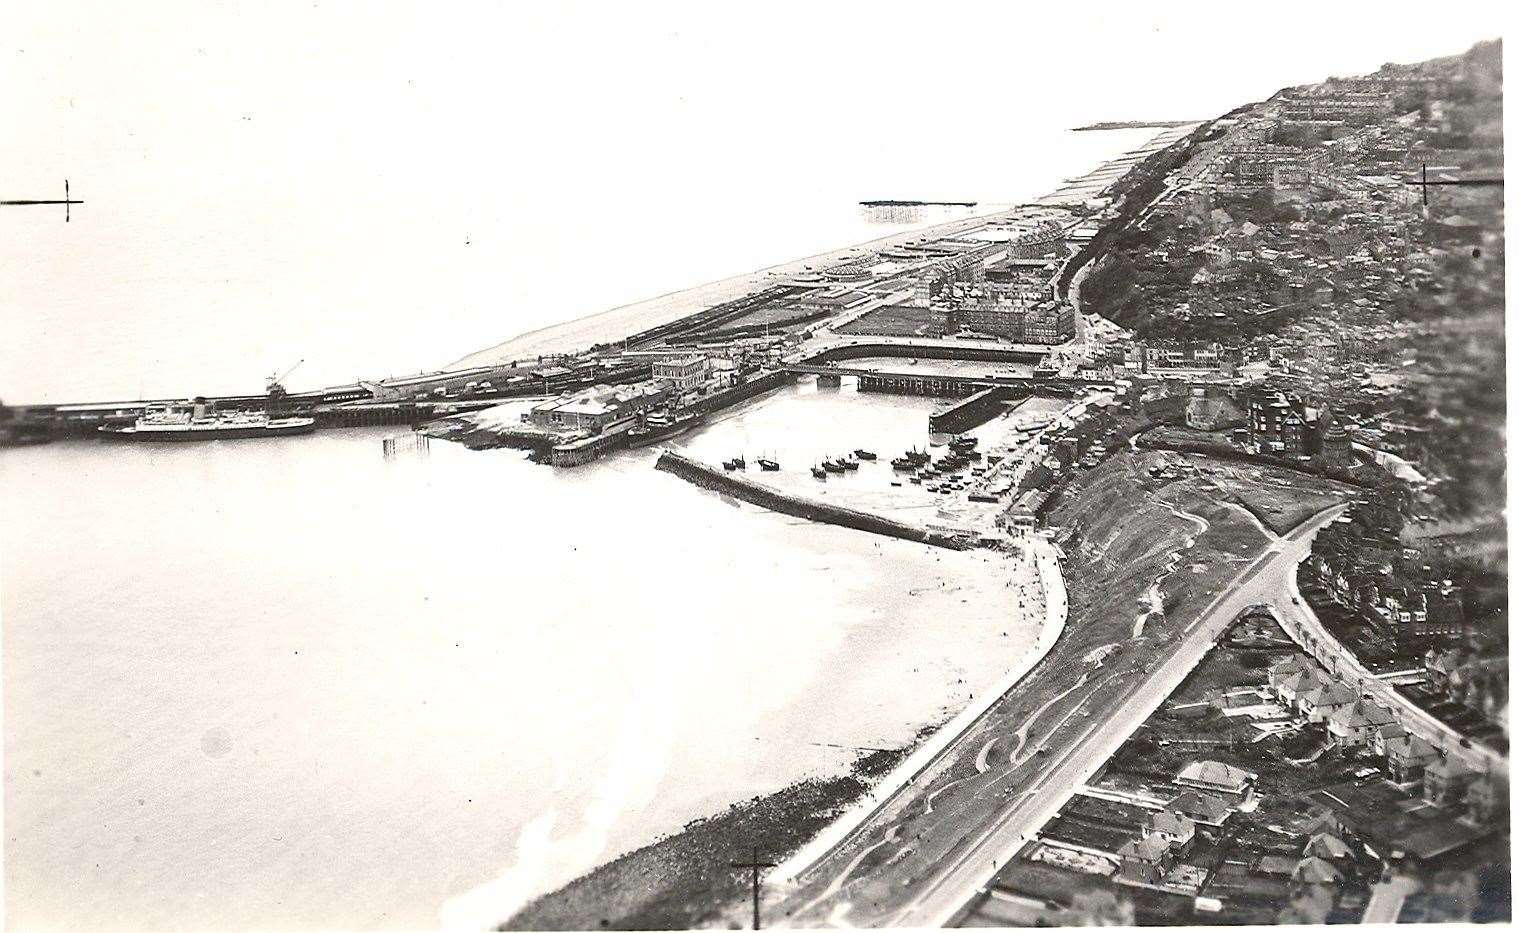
x,y
661,424
198,422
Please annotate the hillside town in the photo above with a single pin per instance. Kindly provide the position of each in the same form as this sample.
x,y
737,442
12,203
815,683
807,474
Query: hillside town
x,y
1266,353
1320,287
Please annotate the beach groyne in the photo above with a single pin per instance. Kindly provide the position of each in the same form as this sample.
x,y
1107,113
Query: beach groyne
x,y
740,487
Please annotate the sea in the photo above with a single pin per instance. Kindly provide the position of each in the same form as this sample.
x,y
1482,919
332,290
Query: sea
x,y
318,683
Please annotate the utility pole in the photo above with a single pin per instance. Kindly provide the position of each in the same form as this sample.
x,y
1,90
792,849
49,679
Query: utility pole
x,y
754,865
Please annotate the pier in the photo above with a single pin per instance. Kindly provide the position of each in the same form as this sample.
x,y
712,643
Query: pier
x,y
972,412
740,487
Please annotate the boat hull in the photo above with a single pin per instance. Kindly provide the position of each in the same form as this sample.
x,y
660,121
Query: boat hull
x,y
283,428
644,439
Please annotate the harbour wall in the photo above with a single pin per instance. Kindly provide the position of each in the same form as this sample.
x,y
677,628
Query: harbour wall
x,y
743,392
972,412
700,474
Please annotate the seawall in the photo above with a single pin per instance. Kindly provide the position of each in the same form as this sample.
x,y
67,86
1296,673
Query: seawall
x,y
700,474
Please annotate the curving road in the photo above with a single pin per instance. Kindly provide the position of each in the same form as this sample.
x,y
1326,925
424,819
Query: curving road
x,y
941,864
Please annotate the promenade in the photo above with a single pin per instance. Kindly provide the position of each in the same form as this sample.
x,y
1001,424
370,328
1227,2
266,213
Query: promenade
x,y
999,810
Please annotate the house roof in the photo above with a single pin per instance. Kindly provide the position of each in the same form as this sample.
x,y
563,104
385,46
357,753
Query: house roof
x,y
1408,747
1363,714
1202,807
1325,821
1315,870
1169,821
1323,845
1276,864
1302,682
1330,695
1217,774
1292,664
1147,848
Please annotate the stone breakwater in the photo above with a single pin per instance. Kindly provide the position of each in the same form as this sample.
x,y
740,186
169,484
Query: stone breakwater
x,y
700,474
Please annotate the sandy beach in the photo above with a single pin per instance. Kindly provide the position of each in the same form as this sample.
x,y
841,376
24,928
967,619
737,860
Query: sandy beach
x,y
627,319
641,315
680,879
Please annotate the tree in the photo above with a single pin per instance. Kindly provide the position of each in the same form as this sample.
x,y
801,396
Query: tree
x,y
1100,908
1310,904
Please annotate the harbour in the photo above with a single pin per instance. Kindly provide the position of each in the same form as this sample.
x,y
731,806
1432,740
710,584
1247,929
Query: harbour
x,y
405,638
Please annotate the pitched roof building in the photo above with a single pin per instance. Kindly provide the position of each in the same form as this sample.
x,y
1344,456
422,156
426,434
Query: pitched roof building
x,y
1407,757
1200,807
1355,724
1226,781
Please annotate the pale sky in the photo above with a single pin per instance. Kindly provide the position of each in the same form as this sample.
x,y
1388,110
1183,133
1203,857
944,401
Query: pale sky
x,y
270,174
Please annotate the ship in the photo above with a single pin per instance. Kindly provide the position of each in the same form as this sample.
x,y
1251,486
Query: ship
x,y
769,466
864,454
196,421
659,425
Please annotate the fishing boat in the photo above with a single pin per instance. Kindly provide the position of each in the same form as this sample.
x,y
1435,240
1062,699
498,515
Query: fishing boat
x,y
903,464
864,454
197,421
833,466
819,472
850,463
769,466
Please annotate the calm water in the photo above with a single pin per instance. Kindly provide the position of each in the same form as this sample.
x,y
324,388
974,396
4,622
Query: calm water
x,y
166,292
293,683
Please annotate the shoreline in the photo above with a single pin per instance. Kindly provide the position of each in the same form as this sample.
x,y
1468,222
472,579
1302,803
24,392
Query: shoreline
x,y
681,879
684,876
581,333
1055,606
816,833
617,322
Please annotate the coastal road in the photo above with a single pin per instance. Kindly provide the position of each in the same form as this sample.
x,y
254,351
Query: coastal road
x,y
931,891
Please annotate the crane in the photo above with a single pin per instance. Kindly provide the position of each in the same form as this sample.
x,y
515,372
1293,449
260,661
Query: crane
x,y
274,384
